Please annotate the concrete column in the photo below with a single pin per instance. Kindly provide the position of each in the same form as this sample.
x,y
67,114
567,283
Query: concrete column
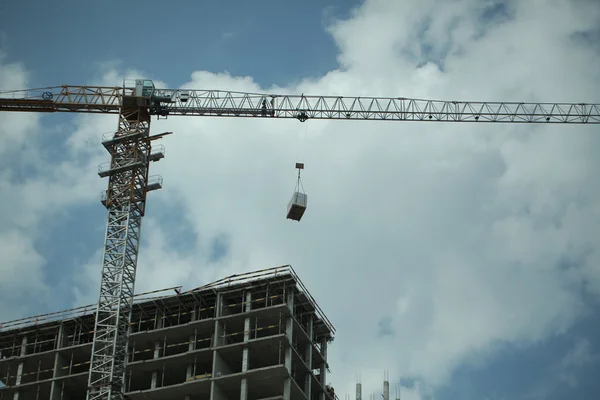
x,y
191,347
60,369
157,353
386,389
154,382
247,307
215,393
20,367
289,326
308,359
55,387
219,305
324,366
60,336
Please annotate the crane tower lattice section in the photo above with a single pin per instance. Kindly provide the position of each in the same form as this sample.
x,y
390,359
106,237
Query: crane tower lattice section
x,y
125,199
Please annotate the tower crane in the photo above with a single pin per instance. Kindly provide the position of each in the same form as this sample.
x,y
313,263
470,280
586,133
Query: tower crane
x,y
131,152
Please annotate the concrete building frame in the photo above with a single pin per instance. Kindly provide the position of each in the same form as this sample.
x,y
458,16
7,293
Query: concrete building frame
x,y
253,336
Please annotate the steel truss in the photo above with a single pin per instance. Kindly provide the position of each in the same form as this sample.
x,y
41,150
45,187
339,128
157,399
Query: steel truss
x,y
126,201
97,99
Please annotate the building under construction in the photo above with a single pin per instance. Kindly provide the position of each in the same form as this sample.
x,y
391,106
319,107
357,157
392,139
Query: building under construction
x,y
252,336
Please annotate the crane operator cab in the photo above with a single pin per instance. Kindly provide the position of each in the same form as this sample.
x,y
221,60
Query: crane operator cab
x,y
297,204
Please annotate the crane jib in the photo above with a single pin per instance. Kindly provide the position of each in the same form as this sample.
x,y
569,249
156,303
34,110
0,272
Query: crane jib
x,y
220,103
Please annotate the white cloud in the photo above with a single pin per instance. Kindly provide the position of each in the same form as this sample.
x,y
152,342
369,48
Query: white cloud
x,y
454,231
21,268
21,271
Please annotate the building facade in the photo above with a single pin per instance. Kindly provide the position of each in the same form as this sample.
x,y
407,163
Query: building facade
x,y
253,336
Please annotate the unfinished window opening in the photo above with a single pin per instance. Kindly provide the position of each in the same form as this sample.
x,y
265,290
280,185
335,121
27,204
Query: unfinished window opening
x,y
10,347
202,367
226,391
298,350
173,374
151,318
228,361
80,362
142,321
39,391
185,314
72,362
318,344
48,344
141,379
298,373
315,335
10,378
176,347
37,368
169,316
144,351
233,338
276,296
41,341
230,332
316,391
264,388
259,299
266,354
203,342
232,303
266,326
79,367
78,333
205,305
205,311
302,315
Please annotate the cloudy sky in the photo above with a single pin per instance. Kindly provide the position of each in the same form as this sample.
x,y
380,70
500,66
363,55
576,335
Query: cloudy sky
x,y
462,258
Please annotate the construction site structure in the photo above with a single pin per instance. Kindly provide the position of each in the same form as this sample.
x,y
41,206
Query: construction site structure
x,y
385,394
131,150
252,336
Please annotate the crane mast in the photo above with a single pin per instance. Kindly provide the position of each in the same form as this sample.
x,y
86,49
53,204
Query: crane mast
x,y
131,153
125,200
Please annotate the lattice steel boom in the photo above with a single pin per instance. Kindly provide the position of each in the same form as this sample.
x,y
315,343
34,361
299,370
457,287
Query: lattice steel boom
x,y
131,153
163,102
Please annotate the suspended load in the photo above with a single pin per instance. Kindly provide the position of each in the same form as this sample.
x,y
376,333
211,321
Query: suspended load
x,y
297,204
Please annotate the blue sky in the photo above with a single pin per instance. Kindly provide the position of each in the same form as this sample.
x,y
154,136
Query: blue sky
x,y
275,42
445,263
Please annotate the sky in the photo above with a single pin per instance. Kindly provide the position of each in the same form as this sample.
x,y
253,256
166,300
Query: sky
x,y
462,258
